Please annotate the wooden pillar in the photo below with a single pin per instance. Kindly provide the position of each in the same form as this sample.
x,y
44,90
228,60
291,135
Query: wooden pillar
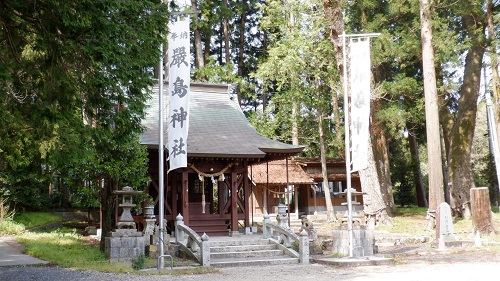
x,y
296,200
185,197
234,201
481,210
174,194
221,192
248,195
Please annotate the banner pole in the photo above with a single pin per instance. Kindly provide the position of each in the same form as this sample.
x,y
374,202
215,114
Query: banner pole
x,y
347,147
161,154
347,135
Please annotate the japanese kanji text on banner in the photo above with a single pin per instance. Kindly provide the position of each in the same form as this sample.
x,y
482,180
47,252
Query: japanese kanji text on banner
x,y
179,88
360,102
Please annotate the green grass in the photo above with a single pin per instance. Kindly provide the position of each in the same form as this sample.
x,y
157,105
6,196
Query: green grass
x,y
408,220
412,220
65,248
34,219
410,211
10,227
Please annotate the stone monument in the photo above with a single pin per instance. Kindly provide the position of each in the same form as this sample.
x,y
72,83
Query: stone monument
x,y
445,231
125,243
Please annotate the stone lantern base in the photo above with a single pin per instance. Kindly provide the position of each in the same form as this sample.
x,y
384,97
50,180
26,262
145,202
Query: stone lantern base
x,y
124,245
362,238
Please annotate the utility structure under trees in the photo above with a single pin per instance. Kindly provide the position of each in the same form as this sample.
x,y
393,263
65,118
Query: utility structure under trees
x,y
436,195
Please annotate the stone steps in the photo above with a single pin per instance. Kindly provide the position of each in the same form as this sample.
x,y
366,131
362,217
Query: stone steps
x,y
247,252
318,220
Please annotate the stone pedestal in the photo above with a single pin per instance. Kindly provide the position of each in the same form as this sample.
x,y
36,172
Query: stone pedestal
x,y
149,230
124,245
362,238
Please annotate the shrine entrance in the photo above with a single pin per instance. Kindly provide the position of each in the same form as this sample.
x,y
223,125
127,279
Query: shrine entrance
x,y
217,198
213,192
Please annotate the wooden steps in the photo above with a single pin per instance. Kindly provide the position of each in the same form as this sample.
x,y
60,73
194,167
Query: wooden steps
x,y
210,226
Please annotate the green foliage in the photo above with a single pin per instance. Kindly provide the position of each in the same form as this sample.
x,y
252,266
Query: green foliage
x,y
7,224
139,262
9,227
298,73
402,172
73,96
6,213
33,219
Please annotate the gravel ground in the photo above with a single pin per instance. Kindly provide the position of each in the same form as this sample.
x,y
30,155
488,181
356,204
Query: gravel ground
x,y
407,272
412,262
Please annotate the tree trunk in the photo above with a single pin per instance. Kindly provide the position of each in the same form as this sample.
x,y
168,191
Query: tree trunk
x,y
295,125
482,219
463,130
264,92
107,208
419,183
330,213
206,50
495,79
200,62
436,195
381,161
375,207
446,173
241,52
225,27
335,22
336,120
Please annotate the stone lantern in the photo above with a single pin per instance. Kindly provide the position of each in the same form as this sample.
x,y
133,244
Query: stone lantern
x,y
126,220
125,243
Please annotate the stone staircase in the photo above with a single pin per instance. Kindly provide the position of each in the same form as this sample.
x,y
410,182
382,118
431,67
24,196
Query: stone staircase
x,y
318,220
231,252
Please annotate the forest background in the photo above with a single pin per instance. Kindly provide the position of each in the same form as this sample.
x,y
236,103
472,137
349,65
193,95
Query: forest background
x,y
75,77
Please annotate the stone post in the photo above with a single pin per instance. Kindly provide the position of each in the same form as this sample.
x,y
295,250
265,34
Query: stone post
x,y
304,247
205,250
179,234
266,231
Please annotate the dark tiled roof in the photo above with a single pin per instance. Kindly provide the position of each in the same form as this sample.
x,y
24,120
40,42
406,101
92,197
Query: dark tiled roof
x,y
217,126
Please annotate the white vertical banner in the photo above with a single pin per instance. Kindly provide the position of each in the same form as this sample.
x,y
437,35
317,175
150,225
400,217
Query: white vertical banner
x,y
179,60
360,101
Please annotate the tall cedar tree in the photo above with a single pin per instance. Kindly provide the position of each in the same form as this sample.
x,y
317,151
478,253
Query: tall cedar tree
x,y
75,76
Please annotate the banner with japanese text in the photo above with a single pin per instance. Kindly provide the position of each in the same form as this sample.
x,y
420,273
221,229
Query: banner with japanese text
x,y
360,102
179,59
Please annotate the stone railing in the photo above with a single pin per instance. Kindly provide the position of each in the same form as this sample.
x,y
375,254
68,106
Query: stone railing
x,y
198,247
287,240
